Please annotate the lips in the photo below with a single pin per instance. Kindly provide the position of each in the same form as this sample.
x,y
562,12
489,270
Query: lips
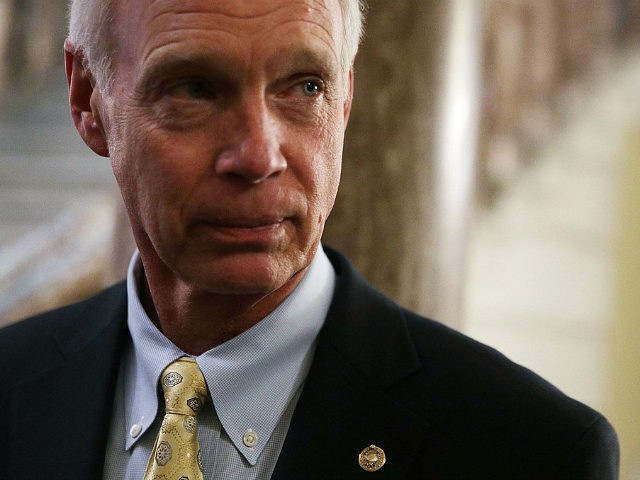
x,y
262,231
246,223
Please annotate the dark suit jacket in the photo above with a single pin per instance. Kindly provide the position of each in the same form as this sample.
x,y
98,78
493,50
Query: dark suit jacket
x,y
440,405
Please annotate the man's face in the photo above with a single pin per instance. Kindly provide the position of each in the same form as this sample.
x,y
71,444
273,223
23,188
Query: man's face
x,y
225,127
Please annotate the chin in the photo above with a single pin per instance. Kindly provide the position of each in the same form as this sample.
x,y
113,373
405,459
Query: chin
x,y
255,274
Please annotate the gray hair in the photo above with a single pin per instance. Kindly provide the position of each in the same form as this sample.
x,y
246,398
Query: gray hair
x,y
90,24
90,34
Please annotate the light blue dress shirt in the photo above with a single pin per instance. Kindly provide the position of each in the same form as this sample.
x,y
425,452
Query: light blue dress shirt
x,y
254,381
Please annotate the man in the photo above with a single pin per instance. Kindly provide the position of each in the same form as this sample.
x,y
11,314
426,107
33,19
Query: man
x,y
224,122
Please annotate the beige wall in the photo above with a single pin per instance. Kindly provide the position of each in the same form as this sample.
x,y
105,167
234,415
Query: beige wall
x,y
624,401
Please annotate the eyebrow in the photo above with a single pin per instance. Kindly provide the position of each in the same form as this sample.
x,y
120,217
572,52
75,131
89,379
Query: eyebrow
x,y
186,61
169,63
305,58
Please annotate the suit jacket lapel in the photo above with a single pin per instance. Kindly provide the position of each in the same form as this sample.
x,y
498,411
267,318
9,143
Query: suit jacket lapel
x,y
69,430
363,350
337,417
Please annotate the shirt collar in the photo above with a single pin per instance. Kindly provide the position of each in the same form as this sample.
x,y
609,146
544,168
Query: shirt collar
x,y
251,378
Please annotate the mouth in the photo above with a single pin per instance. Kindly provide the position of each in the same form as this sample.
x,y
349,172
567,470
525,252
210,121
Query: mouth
x,y
261,223
255,231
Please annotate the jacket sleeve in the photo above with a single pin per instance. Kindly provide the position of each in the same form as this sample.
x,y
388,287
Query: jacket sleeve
x,y
596,456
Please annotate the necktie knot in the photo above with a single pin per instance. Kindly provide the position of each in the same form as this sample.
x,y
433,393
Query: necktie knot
x,y
184,387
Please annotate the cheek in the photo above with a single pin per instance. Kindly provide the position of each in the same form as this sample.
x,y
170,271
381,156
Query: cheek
x,y
124,163
155,172
325,169
332,181
154,157
332,166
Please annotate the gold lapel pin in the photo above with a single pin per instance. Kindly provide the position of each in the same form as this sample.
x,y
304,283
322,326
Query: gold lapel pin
x,y
372,458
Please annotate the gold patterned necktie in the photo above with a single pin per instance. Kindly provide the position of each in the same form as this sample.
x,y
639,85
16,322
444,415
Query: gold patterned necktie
x,y
176,453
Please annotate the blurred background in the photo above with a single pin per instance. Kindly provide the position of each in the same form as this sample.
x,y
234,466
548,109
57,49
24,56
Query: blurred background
x,y
491,181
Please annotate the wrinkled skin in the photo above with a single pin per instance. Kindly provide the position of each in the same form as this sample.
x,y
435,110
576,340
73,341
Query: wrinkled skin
x,y
225,127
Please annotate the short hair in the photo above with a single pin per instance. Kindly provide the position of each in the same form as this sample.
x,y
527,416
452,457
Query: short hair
x,y
90,23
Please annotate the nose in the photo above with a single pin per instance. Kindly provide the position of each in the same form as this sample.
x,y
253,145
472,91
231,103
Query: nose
x,y
255,154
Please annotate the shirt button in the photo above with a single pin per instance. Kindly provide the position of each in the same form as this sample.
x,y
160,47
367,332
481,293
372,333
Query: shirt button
x,y
250,439
136,428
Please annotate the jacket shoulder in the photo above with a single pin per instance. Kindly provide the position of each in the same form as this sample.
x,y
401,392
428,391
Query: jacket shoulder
x,y
456,359
488,403
31,343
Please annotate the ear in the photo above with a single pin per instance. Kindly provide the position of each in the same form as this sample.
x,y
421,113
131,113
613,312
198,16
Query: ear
x,y
349,100
85,101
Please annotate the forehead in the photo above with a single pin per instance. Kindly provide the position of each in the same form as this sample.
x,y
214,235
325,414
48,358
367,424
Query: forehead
x,y
239,28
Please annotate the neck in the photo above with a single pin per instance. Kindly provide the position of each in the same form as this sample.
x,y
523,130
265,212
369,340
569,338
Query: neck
x,y
197,321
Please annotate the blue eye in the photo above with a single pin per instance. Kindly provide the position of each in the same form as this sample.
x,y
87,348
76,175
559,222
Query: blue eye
x,y
311,88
